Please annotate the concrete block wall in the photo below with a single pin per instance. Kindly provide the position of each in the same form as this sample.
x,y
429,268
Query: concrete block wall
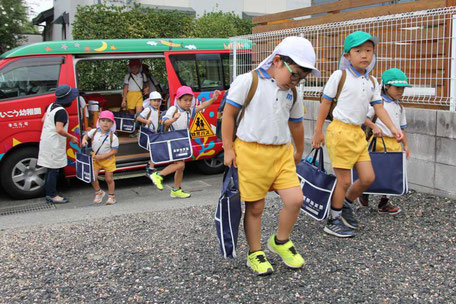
x,y
432,140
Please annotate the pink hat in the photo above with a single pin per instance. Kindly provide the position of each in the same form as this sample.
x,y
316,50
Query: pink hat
x,y
108,115
184,90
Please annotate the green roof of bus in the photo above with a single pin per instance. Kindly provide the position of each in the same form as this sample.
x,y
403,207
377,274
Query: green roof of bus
x,y
123,46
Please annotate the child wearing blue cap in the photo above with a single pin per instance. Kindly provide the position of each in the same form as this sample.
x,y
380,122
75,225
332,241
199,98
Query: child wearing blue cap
x,y
346,142
262,151
394,82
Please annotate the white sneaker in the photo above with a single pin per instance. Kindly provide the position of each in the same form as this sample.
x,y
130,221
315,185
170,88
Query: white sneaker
x,y
99,196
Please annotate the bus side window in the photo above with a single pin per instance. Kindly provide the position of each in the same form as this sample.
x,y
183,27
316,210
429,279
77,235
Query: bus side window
x,y
30,76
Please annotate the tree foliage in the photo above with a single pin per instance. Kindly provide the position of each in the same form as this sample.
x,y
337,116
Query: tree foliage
x,y
221,25
123,22
13,22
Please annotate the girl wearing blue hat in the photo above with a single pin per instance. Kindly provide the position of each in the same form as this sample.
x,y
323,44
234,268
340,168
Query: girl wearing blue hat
x,y
394,82
346,141
52,151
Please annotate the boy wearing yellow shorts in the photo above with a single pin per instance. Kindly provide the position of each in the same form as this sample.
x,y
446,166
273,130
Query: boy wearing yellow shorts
x,y
262,152
346,141
394,82
135,85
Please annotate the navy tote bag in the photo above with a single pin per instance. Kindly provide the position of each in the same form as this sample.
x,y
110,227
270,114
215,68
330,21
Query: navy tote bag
x,y
84,166
125,122
228,213
390,172
317,185
170,146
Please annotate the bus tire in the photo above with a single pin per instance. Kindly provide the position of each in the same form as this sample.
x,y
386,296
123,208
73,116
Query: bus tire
x,y
21,177
212,165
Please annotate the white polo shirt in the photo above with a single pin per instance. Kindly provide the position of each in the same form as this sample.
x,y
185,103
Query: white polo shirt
x,y
136,82
271,108
100,138
356,95
153,117
183,121
396,113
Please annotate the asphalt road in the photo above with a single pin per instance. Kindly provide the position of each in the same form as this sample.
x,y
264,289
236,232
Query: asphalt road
x,y
134,195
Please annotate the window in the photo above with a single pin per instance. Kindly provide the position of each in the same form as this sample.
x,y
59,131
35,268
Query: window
x,y
202,72
30,76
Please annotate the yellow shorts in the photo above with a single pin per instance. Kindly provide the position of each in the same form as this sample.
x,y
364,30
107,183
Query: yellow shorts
x,y
264,168
134,99
346,144
109,165
391,144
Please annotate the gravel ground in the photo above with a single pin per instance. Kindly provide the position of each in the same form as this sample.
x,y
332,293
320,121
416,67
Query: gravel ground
x,y
173,257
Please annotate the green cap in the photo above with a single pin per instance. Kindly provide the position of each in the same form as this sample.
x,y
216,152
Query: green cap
x,y
395,77
356,39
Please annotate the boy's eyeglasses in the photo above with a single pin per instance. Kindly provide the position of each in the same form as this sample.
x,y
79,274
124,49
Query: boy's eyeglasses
x,y
294,76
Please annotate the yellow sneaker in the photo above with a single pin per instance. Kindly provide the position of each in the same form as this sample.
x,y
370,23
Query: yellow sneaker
x,y
157,180
259,264
179,193
287,252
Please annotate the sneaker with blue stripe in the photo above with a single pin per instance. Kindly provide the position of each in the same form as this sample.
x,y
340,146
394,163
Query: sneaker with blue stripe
x,y
336,227
348,217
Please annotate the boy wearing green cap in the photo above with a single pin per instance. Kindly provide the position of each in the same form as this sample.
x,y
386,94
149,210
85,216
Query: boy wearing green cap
x,y
394,82
346,142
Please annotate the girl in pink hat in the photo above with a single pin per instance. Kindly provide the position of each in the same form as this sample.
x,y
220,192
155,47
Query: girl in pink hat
x,y
177,118
105,145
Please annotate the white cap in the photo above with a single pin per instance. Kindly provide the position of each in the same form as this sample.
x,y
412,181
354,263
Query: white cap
x,y
155,95
299,49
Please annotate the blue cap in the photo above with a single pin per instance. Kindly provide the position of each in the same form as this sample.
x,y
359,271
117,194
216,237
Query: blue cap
x,y
65,94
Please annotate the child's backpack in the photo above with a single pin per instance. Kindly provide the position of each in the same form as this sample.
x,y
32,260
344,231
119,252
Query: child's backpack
x,y
339,90
250,94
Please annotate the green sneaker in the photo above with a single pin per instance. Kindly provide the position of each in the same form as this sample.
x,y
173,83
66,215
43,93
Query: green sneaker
x,y
157,180
287,252
259,264
179,193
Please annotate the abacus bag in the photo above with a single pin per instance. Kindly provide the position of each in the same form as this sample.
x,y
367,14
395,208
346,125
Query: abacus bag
x,y
228,213
84,166
317,185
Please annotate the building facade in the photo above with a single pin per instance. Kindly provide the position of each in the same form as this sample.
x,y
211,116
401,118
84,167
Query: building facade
x,y
57,20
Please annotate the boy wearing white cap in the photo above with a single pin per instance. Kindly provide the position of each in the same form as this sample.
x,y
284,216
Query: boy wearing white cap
x,y
262,152
346,141
394,82
150,116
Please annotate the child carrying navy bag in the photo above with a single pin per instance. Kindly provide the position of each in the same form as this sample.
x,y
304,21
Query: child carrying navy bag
x,y
390,171
317,185
84,166
228,213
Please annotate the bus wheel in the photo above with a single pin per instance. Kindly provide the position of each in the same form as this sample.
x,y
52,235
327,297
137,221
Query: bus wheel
x,y
212,165
21,177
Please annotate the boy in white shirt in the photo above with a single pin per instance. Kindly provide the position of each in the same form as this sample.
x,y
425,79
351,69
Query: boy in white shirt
x,y
394,82
178,118
135,85
262,151
346,141
150,116
105,145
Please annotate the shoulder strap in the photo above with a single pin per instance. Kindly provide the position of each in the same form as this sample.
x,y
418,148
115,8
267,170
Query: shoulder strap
x,y
131,76
372,80
110,137
340,85
250,94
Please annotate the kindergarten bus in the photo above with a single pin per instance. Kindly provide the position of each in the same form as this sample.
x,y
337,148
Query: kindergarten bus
x,y
30,74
